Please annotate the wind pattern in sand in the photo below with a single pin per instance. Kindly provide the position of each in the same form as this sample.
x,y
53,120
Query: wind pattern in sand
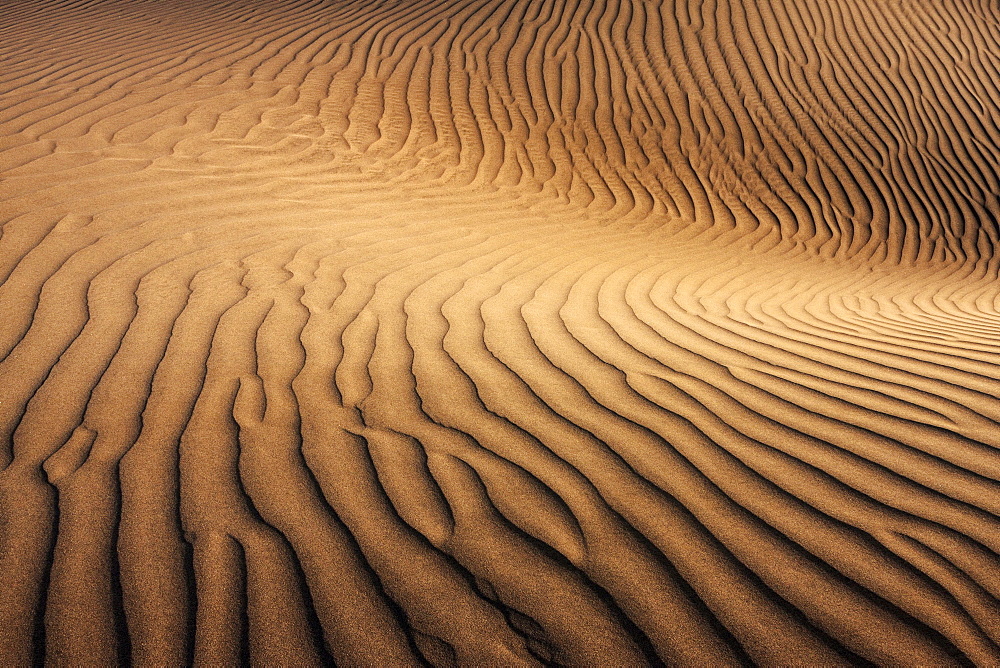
x,y
500,332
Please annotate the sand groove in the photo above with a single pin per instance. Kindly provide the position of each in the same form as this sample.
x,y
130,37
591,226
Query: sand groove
x,y
485,332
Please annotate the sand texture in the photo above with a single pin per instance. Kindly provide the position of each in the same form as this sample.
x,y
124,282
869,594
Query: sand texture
x,y
500,332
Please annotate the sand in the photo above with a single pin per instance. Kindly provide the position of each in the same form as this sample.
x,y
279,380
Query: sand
x,y
500,333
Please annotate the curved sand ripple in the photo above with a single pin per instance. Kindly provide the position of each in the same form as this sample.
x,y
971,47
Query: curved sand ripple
x,y
608,332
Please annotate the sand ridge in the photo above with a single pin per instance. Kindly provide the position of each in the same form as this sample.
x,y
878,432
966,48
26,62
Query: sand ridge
x,y
486,332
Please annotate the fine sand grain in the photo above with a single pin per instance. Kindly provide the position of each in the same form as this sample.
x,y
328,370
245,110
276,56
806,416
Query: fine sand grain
x,y
500,332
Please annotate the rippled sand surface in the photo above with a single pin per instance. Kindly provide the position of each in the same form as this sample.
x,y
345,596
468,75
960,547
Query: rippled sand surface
x,y
500,333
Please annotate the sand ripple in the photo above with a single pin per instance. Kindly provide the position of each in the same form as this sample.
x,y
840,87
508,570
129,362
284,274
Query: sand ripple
x,y
487,332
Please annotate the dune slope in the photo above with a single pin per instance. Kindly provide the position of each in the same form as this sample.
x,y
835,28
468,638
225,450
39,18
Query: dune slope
x,y
487,332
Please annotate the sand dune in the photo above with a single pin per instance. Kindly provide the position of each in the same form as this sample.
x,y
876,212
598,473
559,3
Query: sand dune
x,y
488,332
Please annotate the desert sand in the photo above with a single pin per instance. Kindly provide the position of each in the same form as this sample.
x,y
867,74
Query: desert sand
x,y
500,332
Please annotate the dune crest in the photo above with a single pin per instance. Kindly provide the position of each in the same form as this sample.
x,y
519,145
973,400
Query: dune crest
x,y
486,332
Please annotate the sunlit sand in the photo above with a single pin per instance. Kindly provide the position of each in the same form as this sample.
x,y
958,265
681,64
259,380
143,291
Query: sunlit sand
x,y
499,332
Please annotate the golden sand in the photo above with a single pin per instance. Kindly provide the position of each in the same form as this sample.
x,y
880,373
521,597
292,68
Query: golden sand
x,y
499,332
